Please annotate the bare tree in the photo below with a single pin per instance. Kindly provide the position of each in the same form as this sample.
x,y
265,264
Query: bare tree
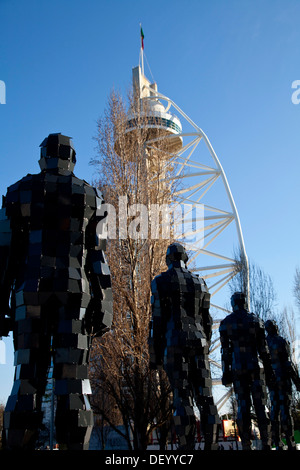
x,y
128,393
286,322
296,287
130,178
262,292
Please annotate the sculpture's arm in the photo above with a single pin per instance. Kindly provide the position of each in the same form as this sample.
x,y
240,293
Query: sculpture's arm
x,y
100,311
5,274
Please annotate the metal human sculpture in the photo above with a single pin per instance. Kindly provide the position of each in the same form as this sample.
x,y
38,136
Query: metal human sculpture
x,y
180,334
55,290
243,343
281,391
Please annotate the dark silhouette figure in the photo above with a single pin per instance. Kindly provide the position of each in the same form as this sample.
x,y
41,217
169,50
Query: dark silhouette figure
x,y
55,295
180,334
281,392
243,342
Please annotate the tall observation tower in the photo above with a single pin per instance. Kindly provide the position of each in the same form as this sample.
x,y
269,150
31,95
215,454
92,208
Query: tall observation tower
x,y
203,185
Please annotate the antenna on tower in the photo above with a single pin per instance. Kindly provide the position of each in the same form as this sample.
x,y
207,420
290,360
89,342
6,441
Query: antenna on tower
x,y
142,48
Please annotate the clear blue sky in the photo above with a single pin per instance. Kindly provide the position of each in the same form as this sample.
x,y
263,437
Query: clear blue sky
x,y
228,64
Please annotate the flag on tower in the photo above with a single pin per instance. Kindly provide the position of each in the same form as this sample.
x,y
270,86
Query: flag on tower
x,y
142,38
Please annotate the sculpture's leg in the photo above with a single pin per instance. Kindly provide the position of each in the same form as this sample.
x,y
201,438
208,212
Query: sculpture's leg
x,y
275,419
243,420
287,422
210,420
74,417
259,397
184,418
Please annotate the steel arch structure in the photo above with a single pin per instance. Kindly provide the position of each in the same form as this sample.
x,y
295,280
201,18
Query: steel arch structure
x,y
197,180
192,170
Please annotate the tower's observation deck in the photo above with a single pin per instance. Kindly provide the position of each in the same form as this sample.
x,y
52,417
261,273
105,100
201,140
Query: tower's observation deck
x,y
153,114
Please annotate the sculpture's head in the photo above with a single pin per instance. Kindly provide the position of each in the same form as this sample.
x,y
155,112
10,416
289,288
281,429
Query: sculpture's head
x,y
239,301
176,254
271,327
57,151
